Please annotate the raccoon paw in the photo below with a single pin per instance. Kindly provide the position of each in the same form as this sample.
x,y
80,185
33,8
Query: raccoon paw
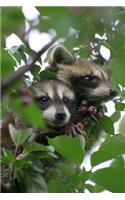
x,y
96,114
83,107
78,129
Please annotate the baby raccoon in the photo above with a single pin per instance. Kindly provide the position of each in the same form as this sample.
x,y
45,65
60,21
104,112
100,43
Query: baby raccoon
x,y
57,103
88,81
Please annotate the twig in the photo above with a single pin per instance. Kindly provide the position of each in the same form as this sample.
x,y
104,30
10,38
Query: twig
x,y
17,74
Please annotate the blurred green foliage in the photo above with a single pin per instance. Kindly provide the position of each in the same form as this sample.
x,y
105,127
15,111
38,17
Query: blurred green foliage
x,y
25,168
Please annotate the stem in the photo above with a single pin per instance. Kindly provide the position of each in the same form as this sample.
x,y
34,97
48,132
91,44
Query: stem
x,y
15,153
14,158
95,118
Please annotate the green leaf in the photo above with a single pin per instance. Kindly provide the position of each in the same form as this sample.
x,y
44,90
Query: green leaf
x,y
47,74
82,141
84,175
34,146
74,181
115,116
69,147
111,178
20,164
30,113
13,49
56,186
118,162
21,52
31,181
90,187
122,126
94,189
118,62
14,14
35,118
37,166
66,168
35,155
7,156
120,106
6,60
123,94
17,53
35,71
111,148
19,136
107,124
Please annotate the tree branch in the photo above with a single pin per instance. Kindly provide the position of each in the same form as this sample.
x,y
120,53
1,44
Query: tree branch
x,y
17,74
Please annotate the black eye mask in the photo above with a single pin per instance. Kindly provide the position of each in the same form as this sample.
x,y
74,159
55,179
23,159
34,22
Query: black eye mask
x,y
43,102
71,105
87,81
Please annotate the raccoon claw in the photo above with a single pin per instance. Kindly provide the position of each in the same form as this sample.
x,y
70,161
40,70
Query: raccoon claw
x,y
83,106
92,110
92,113
76,129
79,125
98,114
83,109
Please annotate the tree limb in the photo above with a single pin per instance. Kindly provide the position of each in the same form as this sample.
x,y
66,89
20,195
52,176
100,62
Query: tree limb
x,y
17,74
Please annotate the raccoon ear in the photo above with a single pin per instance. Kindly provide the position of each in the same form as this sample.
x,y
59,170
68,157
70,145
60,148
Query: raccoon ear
x,y
60,55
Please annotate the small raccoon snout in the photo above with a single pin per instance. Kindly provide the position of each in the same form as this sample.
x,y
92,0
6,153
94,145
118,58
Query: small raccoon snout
x,y
60,116
113,93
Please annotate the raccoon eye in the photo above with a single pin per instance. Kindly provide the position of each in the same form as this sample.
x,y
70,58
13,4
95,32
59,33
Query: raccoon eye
x,y
66,100
90,78
44,98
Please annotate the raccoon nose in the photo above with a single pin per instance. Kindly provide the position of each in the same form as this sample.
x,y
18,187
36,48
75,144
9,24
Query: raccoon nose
x,y
60,116
113,93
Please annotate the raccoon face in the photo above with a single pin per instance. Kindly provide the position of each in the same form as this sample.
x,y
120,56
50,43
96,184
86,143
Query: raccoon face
x,y
56,100
92,85
88,81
